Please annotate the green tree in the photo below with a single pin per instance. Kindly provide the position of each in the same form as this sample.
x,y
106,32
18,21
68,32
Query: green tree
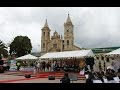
x,y
3,50
21,45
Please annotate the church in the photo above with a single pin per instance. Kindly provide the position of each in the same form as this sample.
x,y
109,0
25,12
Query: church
x,y
57,43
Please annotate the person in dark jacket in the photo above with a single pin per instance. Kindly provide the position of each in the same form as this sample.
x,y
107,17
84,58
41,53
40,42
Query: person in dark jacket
x,y
90,78
66,78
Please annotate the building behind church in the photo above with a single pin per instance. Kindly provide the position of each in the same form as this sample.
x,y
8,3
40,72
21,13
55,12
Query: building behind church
x,y
57,43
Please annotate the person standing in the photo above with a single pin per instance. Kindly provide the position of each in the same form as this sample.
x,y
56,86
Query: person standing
x,y
52,67
38,67
66,78
49,66
18,66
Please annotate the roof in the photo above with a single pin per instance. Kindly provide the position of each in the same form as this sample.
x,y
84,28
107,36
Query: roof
x,y
46,24
66,54
76,46
69,20
29,56
117,51
37,54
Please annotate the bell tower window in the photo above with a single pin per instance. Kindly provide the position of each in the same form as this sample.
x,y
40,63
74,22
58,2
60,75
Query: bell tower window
x,y
63,46
43,33
68,30
43,45
67,42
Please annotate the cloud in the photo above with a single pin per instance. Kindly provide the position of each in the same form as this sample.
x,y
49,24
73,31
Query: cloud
x,y
93,26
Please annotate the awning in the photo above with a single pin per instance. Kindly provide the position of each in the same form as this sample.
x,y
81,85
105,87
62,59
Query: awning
x,y
117,51
27,57
68,54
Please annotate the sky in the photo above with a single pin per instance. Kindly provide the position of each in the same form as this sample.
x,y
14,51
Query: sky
x,y
94,27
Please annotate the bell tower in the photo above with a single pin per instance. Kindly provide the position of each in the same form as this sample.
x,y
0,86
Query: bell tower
x,y
68,35
45,38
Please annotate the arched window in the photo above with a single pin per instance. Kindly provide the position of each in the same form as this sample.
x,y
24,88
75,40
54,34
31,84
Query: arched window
x,y
67,30
43,45
67,42
43,33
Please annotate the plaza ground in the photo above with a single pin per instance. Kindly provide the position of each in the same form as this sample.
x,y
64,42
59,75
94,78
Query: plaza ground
x,y
17,78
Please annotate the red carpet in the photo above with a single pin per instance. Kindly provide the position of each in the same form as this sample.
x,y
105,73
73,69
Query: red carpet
x,y
58,75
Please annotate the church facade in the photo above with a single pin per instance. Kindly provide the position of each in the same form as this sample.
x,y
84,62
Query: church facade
x,y
57,43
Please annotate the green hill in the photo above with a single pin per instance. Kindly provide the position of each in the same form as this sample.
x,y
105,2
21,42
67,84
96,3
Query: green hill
x,y
104,50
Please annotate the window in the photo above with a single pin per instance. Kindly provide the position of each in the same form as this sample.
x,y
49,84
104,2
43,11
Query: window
x,y
63,46
68,30
67,42
63,41
43,33
43,45
55,45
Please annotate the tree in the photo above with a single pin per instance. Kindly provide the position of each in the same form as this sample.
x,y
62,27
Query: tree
x,y
21,45
3,50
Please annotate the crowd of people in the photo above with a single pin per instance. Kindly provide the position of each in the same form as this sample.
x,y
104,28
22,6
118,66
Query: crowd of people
x,y
42,66
109,76
53,66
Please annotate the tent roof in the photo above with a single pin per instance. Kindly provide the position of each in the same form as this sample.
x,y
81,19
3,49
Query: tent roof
x,y
29,56
65,54
117,51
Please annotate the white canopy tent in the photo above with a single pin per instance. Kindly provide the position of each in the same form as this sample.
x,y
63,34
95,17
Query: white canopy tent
x,y
68,54
115,54
117,51
27,57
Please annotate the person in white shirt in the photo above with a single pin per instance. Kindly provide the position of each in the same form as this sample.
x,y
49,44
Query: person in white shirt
x,y
52,67
38,66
